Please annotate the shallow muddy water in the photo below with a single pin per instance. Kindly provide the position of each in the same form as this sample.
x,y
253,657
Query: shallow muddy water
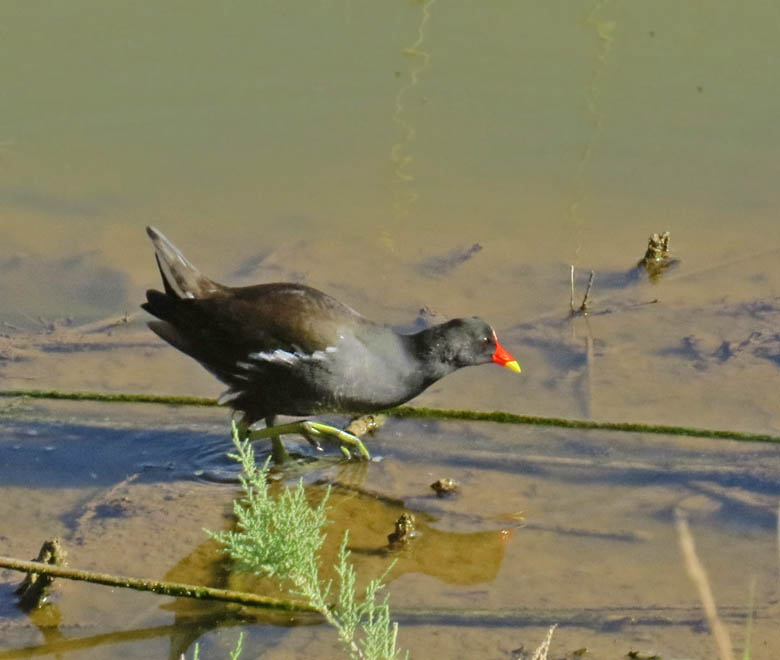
x,y
451,157
548,526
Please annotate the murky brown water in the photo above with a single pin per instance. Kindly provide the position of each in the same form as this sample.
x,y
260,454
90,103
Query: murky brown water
x,y
359,148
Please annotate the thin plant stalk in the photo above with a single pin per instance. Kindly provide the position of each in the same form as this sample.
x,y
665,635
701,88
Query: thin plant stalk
x,y
699,578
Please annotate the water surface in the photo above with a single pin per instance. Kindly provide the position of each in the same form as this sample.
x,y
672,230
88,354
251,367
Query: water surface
x,y
360,149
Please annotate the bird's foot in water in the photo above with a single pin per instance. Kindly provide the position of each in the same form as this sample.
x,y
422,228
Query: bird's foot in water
x,y
313,432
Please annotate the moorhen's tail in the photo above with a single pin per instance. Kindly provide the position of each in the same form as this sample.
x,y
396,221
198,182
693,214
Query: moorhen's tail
x,y
180,278
184,284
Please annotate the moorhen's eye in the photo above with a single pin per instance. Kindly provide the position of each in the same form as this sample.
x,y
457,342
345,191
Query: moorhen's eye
x,y
486,340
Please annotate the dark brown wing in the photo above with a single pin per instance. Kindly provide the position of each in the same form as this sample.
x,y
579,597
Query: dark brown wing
x,y
223,330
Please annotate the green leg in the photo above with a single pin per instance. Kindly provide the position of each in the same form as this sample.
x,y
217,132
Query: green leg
x,y
279,452
313,432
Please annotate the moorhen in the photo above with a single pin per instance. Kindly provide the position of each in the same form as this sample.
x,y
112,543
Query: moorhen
x,y
289,349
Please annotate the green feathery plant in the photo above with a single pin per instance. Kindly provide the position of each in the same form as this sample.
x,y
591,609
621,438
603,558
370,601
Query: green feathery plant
x,y
280,538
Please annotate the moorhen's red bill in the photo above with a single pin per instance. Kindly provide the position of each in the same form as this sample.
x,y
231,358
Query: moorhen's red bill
x,y
289,349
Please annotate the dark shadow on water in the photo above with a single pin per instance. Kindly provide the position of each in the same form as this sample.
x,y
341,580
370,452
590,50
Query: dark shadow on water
x,y
53,455
182,634
48,455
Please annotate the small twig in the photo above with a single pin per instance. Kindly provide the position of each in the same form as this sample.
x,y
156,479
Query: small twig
x,y
583,308
699,577
175,589
571,296
584,305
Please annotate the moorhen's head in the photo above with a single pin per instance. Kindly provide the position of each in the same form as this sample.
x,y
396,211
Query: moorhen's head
x,y
465,343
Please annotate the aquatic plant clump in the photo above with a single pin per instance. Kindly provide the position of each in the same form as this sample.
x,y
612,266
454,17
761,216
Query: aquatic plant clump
x,y
281,537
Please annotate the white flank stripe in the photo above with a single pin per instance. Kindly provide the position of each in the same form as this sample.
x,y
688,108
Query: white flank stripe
x,y
286,357
246,366
227,397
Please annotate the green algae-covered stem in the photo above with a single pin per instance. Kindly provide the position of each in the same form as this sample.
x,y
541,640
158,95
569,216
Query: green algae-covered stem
x,y
584,424
175,589
430,413
118,397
